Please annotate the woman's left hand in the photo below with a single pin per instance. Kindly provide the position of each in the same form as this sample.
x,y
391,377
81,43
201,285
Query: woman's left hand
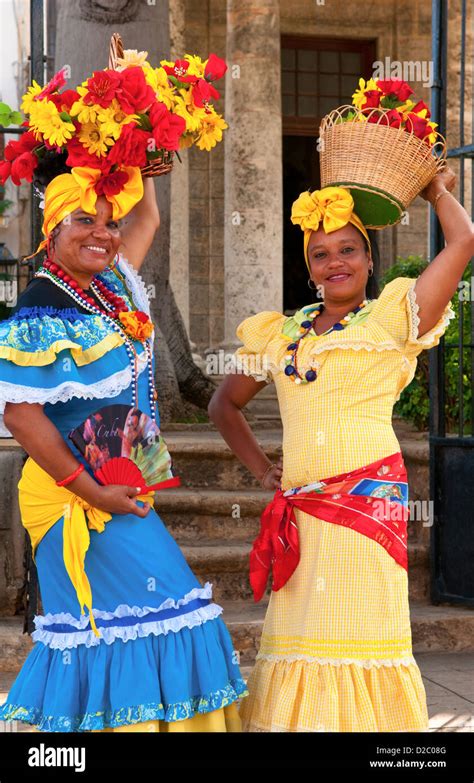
x,y
443,180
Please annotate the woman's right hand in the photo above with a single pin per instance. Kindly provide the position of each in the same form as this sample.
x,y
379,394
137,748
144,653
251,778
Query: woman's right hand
x,y
119,499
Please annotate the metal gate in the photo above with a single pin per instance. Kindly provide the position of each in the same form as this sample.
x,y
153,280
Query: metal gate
x,y
40,72
452,363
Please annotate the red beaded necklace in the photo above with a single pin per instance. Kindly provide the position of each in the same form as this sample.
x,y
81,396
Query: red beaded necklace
x,y
117,304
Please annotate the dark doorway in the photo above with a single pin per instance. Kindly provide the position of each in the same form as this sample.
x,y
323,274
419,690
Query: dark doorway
x,y
318,75
300,173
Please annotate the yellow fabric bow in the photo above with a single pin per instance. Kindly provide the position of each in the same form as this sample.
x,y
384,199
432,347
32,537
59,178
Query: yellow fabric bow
x,y
333,207
42,503
68,192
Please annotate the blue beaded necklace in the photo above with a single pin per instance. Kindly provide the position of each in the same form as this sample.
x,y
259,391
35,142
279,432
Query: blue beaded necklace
x,y
291,369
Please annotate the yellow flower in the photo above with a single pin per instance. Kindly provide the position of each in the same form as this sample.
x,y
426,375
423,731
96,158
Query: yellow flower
x,y
47,121
97,141
211,131
80,110
406,107
28,99
433,137
358,98
131,57
186,140
191,114
113,118
157,78
196,65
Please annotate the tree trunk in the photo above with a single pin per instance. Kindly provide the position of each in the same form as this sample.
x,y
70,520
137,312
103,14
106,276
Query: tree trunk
x,y
83,33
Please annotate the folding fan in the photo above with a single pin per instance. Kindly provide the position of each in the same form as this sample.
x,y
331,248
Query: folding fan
x,y
124,446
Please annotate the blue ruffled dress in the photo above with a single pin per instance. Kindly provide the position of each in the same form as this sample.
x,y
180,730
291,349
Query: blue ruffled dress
x,y
164,652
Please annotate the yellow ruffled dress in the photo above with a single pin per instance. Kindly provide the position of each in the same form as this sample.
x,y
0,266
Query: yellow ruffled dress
x,y
336,648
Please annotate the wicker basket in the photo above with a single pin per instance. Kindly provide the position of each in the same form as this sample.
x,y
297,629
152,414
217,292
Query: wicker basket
x,y
163,163
384,168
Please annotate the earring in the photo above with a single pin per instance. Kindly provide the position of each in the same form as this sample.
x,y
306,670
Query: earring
x,y
371,271
314,286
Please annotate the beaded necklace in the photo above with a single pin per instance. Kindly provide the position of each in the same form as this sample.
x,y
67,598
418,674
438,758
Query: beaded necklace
x,y
112,305
291,369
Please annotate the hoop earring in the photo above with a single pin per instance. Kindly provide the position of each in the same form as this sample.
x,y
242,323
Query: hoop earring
x,y
314,286
371,271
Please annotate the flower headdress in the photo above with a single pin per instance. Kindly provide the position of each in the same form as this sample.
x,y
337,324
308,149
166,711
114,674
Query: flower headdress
x,y
117,122
331,207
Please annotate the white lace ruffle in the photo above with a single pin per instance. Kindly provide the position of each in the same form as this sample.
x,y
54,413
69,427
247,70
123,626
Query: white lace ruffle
x,y
365,663
238,365
142,628
137,288
429,338
107,387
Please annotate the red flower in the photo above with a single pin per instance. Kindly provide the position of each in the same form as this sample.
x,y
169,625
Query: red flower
x,y
111,184
5,170
68,97
419,107
215,68
203,91
141,316
395,88
372,99
130,148
394,118
102,87
418,125
53,85
23,167
178,70
26,143
135,94
78,155
167,127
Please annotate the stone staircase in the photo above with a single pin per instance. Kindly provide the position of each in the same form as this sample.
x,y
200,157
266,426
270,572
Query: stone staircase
x,y
214,517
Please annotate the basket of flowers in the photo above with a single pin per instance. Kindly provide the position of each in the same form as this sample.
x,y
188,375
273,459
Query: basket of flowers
x,y
384,148
127,115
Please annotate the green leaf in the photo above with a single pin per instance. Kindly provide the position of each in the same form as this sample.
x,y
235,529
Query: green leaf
x,y
144,122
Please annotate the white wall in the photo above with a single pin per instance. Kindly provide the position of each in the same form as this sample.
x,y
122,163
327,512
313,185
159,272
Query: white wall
x,y
14,48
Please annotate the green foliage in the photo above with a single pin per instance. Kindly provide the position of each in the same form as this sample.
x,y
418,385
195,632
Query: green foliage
x,y
8,116
413,404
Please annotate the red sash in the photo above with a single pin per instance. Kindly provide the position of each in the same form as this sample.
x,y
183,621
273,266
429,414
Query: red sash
x,y
365,499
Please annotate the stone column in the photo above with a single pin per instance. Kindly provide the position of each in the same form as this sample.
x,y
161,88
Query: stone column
x,y
253,255
179,207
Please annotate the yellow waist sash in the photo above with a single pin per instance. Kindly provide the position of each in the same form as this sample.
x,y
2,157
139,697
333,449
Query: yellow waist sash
x,y
43,503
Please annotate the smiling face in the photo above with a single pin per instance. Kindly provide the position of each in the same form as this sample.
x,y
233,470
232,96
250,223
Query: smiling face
x,y
339,262
84,244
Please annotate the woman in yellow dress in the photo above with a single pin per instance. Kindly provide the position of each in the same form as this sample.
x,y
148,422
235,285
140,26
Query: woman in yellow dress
x,y
336,648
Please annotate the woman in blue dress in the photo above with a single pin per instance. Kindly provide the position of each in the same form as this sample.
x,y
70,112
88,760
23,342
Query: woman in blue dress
x,y
152,652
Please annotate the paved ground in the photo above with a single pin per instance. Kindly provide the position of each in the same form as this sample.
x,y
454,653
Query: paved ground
x,y
448,679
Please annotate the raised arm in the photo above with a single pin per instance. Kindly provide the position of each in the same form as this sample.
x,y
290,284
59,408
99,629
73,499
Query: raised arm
x,y
140,225
439,281
235,391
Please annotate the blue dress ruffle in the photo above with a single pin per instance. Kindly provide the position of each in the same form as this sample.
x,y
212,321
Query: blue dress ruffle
x,y
164,652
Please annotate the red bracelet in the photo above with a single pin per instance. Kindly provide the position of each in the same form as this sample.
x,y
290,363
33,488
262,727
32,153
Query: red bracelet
x,y
70,478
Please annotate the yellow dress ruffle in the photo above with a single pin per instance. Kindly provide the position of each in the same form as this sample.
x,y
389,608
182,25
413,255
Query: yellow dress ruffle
x,y
336,648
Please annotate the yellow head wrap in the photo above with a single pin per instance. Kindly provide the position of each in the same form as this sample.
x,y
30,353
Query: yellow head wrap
x,y
332,206
68,192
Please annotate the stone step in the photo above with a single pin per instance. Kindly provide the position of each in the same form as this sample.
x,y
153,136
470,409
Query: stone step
x,y
441,628
192,515
226,565
446,629
203,459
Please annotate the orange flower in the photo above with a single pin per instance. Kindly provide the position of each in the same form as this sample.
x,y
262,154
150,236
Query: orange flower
x,y
137,324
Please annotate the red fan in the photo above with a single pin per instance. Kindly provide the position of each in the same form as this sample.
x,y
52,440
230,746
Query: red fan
x,y
123,445
121,470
